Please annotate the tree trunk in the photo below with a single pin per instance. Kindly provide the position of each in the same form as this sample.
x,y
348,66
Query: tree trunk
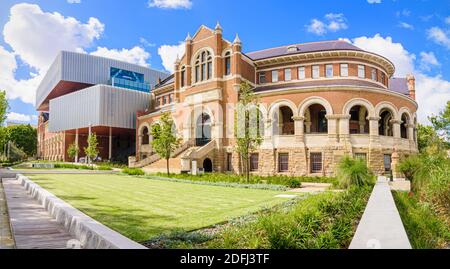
x,y
248,169
167,164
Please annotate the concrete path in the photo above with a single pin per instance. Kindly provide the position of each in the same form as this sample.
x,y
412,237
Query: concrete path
x,y
381,226
32,226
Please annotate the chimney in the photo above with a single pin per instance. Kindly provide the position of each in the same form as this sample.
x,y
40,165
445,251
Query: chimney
x,y
411,86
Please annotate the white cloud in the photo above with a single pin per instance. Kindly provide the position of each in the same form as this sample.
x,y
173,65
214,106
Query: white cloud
x,y
170,4
37,36
427,60
146,43
333,22
447,20
374,1
169,54
406,26
432,92
135,55
439,36
17,117
74,1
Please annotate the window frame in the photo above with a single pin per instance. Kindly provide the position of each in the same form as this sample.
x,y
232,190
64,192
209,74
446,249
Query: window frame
x,y
254,162
275,76
316,158
341,70
374,74
282,163
262,75
286,72
229,161
328,67
227,63
315,71
301,70
361,68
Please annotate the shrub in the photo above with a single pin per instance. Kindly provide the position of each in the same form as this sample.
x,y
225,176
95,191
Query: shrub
x,y
73,166
133,171
424,228
104,168
354,172
410,166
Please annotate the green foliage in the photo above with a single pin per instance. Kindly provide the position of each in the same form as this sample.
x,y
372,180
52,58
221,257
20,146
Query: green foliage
x,y
425,230
91,150
72,166
24,137
441,122
247,125
164,140
133,171
4,106
73,150
104,168
291,182
326,220
428,137
354,172
409,166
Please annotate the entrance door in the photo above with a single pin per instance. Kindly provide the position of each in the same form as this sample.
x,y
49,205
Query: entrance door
x,y
203,130
207,165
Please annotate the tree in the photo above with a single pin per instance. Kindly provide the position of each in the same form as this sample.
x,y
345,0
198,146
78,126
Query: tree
x,y
4,106
24,137
91,150
247,126
441,122
73,150
426,135
164,140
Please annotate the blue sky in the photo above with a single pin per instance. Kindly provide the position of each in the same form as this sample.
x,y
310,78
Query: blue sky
x,y
414,34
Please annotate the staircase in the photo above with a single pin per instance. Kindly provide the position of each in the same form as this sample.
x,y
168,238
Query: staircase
x,y
155,157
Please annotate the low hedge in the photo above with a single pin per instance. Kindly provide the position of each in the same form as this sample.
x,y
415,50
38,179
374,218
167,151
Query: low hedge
x,y
288,181
133,171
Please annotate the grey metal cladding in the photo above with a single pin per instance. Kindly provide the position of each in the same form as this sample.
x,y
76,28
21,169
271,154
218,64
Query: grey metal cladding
x,y
99,105
85,68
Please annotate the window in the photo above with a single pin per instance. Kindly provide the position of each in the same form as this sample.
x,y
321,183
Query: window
x,y
158,101
361,71
383,78
262,77
229,161
315,71
254,162
301,72
374,74
387,162
283,162
275,76
329,71
344,70
183,76
316,162
203,66
227,63
287,74
164,100
361,156
170,98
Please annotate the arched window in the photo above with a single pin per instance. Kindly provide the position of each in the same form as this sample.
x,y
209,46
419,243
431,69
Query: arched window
x,y
404,126
203,66
183,76
145,136
315,119
227,63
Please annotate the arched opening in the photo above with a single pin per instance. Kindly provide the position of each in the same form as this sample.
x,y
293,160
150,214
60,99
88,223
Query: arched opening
x,y
207,165
203,130
359,124
145,136
227,63
404,126
415,130
315,119
286,123
385,125
203,66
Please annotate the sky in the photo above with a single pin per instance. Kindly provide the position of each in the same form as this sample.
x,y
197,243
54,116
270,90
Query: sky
x,y
413,34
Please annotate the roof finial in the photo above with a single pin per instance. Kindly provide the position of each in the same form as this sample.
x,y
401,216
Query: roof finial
x,y
237,40
218,28
188,37
177,61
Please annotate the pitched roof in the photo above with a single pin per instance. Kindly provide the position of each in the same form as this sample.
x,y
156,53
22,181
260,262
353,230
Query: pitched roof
x,y
302,48
399,85
169,80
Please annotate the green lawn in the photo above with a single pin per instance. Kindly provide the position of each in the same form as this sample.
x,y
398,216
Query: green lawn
x,y
141,208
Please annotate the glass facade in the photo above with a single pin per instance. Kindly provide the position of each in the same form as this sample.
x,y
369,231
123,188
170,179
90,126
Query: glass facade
x,y
128,79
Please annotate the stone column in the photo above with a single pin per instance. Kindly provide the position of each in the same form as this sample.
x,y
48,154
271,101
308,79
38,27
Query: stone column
x,y
396,174
373,128
396,128
375,156
344,128
299,129
410,130
332,128
308,127
138,150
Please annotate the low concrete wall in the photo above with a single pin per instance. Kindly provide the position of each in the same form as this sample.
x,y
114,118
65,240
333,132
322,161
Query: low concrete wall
x,y
381,226
91,233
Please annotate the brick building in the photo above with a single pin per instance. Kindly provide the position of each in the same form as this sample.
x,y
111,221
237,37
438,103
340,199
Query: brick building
x,y
318,102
